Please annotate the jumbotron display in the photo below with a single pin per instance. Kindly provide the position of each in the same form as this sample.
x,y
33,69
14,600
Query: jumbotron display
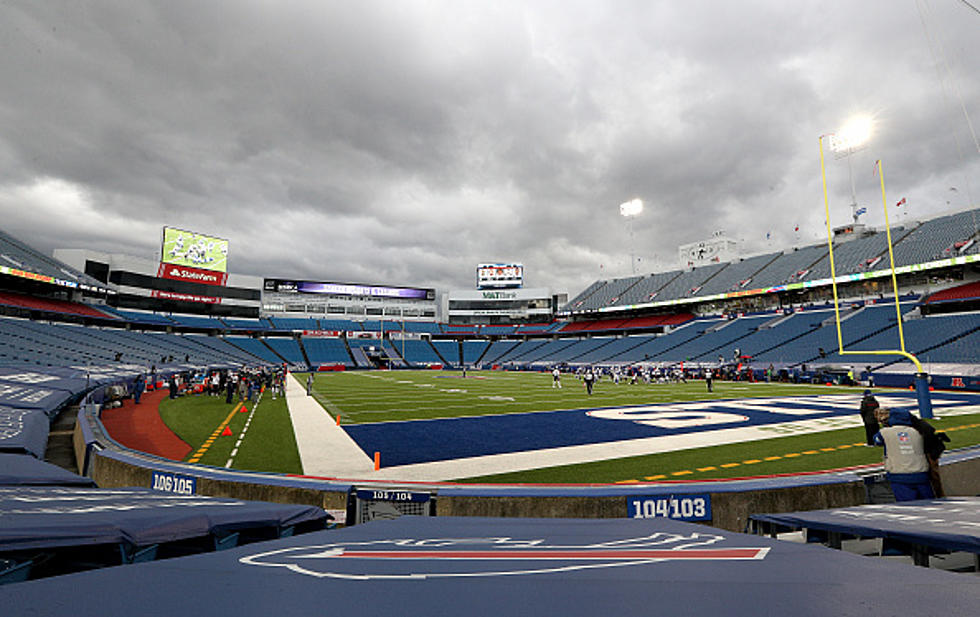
x,y
348,289
499,276
194,250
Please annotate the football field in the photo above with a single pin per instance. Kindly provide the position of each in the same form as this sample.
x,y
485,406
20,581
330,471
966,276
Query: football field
x,y
496,426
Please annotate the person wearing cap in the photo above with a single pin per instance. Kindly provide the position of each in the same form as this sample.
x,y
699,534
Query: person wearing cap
x,y
868,406
906,465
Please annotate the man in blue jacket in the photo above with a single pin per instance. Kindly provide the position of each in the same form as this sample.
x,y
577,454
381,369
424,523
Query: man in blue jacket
x,y
906,465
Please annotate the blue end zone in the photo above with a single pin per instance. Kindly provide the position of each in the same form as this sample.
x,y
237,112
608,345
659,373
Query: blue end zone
x,y
479,566
421,441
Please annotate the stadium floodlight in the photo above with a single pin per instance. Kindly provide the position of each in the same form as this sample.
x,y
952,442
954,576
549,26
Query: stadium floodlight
x,y
630,210
850,138
631,207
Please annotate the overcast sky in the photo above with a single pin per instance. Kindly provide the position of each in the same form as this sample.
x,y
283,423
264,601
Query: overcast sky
x,y
402,142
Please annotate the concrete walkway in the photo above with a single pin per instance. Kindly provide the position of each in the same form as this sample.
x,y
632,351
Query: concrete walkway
x,y
324,448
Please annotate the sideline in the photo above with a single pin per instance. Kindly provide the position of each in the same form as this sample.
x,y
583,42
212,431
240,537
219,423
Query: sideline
x,y
140,427
325,449
214,435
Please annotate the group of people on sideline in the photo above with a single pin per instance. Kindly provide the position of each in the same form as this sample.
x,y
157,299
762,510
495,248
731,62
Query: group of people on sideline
x,y
236,386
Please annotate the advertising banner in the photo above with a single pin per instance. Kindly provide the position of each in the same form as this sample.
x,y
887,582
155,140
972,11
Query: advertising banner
x,y
192,275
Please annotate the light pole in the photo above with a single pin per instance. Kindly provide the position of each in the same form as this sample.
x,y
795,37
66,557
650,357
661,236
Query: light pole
x,y
851,138
630,210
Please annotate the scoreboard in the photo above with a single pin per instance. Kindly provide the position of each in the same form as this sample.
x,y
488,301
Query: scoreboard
x,y
499,276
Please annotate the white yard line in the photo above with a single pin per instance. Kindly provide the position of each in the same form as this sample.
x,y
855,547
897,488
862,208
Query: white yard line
x,y
241,436
325,449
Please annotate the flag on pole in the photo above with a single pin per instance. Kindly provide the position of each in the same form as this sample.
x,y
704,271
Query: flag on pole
x,y
797,228
860,211
901,202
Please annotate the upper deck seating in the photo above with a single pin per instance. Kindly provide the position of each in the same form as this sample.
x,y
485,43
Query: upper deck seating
x,y
579,301
937,239
791,267
647,289
860,255
737,276
51,305
15,254
688,283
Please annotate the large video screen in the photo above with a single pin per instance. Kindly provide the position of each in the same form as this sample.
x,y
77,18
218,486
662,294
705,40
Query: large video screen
x,y
348,289
194,250
499,276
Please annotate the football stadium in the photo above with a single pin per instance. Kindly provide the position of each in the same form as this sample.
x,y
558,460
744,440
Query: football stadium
x,y
322,308
722,394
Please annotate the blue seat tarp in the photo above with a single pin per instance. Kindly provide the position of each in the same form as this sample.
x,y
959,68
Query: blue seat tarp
x,y
25,470
52,517
28,396
951,523
481,566
24,431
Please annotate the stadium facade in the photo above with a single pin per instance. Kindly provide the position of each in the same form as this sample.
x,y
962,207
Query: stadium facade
x,y
767,310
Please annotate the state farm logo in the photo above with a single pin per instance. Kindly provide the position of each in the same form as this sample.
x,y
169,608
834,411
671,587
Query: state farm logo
x,y
180,273
197,275
420,559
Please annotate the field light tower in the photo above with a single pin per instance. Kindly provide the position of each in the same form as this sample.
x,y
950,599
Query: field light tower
x,y
630,210
852,137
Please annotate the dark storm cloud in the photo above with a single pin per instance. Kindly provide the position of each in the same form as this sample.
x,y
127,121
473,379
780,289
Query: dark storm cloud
x,y
404,142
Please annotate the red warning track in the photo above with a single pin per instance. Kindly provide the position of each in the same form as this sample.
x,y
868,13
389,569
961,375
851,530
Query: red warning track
x,y
140,427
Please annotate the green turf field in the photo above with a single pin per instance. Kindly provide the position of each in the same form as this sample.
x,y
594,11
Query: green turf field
x,y
382,396
269,444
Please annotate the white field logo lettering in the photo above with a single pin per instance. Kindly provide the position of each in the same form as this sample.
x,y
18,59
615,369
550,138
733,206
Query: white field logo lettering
x,y
420,559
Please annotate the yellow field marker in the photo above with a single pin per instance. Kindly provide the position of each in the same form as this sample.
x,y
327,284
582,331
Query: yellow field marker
x,y
214,436
685,472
